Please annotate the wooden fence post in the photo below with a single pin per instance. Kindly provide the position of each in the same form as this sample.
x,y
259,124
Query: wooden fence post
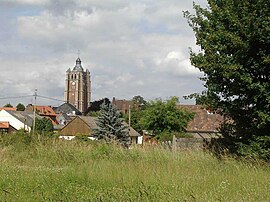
x,y
174,143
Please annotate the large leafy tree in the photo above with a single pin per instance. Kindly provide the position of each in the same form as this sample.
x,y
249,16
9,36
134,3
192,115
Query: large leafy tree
x,y
136,112
94,108
140,100
20,107
8,105
95,105
165,117
234,37
111,127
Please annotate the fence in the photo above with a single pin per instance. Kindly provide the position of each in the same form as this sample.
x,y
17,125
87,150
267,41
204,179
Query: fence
x,y
187,143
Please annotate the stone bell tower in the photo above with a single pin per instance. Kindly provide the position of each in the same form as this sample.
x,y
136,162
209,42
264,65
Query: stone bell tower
x,y
78,87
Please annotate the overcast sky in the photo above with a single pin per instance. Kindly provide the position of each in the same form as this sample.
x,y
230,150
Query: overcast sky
x,y
138,47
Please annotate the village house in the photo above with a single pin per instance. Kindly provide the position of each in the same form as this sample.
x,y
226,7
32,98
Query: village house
x,y
5,127
67,108
8,108
124,105
85,125
17,120
205,123
80,125
44,111
63,119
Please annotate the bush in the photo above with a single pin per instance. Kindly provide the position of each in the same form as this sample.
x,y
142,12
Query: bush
x,y
18,138
259,147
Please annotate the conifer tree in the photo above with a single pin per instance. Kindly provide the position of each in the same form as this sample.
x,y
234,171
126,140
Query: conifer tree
x,y
111,127
44,125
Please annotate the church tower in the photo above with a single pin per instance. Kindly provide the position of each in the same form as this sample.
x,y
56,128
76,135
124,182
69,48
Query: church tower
x,y
78,87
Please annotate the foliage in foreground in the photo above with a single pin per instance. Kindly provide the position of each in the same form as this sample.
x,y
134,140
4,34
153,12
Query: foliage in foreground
x,y
234,37
47,169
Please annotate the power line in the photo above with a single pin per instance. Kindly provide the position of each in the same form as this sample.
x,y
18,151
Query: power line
x,y
35,105
15,97
27,96
50,98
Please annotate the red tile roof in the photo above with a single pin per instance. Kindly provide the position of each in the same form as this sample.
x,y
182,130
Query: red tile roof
x,y
8,108
42,110
45,111
204,121
4,125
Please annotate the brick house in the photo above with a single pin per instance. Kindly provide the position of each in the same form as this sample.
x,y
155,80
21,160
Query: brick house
x,y
123,105
17,120
205,124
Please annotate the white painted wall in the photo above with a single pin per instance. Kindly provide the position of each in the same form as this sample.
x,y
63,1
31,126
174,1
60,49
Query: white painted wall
x,y
66,137
69,137
14,122
140,140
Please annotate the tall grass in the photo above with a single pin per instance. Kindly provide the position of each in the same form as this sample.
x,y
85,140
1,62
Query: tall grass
x,y
47,169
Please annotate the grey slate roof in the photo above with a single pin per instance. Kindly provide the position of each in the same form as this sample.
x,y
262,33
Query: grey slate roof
x,y
78,66
24,117
68,109
65,116
132,131
90,121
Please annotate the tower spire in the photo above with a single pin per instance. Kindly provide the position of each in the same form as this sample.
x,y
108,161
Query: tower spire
x,y
78,53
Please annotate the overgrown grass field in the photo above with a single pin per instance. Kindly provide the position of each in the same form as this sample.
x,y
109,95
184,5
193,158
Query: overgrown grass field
x,y
46,169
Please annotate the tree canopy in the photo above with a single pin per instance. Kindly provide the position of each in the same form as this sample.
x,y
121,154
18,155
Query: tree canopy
x,y
20,107
95,105
234,38
164,116
8,105
139,99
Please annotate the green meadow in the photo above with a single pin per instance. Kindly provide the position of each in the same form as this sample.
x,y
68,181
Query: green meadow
x,y
48,169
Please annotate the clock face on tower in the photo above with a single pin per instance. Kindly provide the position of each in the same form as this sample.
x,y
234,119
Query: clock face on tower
x,y
73,85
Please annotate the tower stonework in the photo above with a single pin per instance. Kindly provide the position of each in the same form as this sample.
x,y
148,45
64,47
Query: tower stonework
x,y
78,87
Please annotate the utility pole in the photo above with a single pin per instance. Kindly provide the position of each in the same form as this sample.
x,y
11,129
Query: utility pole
x,y
129,117
35,103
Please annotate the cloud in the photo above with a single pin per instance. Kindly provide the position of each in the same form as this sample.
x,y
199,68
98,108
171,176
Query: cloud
x,y
130,47
24,2
176,63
